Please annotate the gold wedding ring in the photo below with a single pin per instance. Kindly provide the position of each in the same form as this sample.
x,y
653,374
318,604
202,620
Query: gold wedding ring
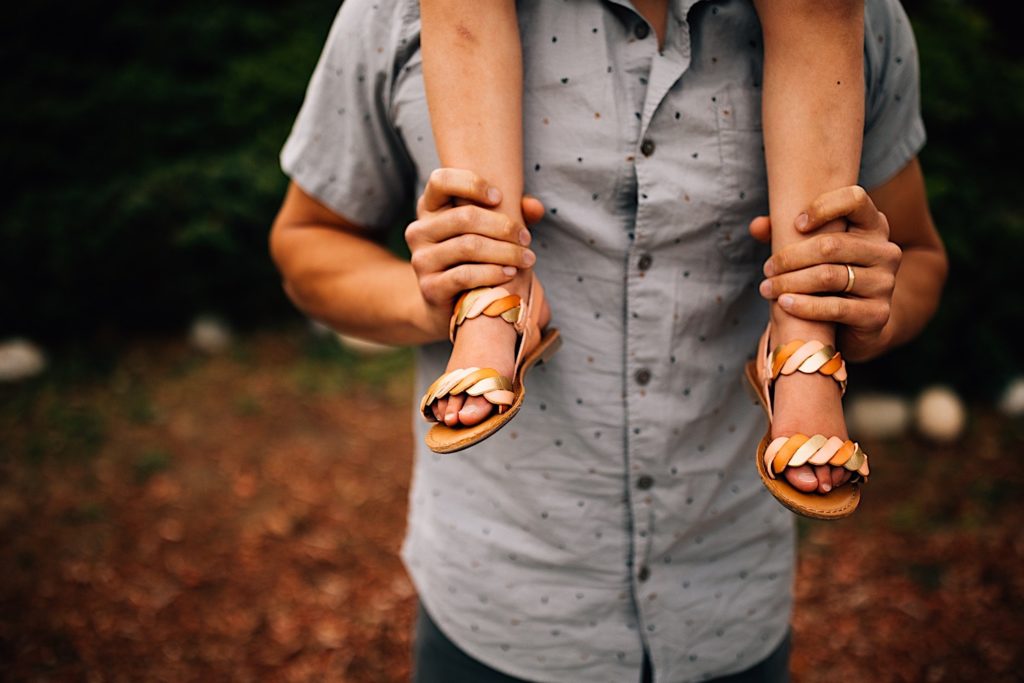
x,y
850,279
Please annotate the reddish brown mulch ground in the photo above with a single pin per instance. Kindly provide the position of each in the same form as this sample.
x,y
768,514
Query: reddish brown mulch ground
x,y
238,518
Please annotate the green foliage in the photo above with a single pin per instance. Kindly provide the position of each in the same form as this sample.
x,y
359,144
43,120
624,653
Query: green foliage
x,y
972,86
142,144
142,140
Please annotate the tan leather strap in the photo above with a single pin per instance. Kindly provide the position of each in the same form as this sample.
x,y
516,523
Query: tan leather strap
x,y
796,450
808,357
487,382
799,449
797,356
494,302
528,323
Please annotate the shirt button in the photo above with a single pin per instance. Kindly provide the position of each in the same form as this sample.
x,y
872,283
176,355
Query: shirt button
x,y
645,262
647,147
642,30
643,376
644,482
643,574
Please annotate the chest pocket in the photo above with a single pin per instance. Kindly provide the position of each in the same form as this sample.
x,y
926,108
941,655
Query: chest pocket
x,y
744,178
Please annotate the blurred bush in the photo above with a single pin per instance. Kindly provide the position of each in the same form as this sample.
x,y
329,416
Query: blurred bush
x,y
141,144
972,86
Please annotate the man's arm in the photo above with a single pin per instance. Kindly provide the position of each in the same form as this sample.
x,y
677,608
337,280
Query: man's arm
x,y
924,266
900,270
335,272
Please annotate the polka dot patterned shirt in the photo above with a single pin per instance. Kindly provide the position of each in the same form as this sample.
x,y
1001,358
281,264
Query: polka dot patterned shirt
x,y
621,510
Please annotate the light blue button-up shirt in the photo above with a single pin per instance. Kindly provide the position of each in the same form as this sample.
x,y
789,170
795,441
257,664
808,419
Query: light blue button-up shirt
x,y
621,510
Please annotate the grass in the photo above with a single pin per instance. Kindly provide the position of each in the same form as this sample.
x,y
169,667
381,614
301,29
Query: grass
x,y
328,367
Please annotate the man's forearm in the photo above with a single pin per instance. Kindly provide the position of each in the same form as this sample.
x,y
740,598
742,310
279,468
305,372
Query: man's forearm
x,y
346,280
923,269
915,299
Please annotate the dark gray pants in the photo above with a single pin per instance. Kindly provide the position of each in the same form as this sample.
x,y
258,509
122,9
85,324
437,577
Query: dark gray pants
x,y
437,660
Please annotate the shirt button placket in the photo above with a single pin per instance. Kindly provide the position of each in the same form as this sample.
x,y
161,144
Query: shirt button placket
x,y
642,322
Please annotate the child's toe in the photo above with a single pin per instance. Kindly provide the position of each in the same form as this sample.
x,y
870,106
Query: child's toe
x,y
474,411
824,475
802,478
451,413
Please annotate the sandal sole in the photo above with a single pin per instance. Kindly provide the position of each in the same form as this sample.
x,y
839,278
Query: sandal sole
x,y
444,439
836,504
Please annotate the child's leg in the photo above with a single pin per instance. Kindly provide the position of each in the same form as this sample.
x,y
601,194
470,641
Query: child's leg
x,y
813,128
472,66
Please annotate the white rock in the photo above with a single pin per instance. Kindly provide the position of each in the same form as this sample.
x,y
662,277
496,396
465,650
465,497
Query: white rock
x,y
878,416
210,335
940,414
318,329
20,359
1012,402
362,346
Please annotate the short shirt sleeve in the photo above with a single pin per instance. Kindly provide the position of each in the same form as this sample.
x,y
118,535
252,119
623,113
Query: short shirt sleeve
x,y
342,149
893,129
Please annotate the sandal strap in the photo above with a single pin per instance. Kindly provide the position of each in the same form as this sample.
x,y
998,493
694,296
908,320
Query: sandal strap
x,y
528,323
808,357
796,356
800,449
494,302
486,382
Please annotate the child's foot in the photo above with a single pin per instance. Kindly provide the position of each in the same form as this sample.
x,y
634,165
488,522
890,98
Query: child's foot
x,y
807,404
482,342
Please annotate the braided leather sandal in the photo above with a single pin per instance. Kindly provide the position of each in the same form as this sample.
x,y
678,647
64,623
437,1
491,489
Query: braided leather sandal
x,y
535,346
775,455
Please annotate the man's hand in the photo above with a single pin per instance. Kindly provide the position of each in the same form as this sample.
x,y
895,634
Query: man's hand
x,y
809,277
457,243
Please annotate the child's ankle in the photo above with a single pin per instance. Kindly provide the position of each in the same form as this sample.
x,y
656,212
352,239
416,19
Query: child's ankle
x,y
787,327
